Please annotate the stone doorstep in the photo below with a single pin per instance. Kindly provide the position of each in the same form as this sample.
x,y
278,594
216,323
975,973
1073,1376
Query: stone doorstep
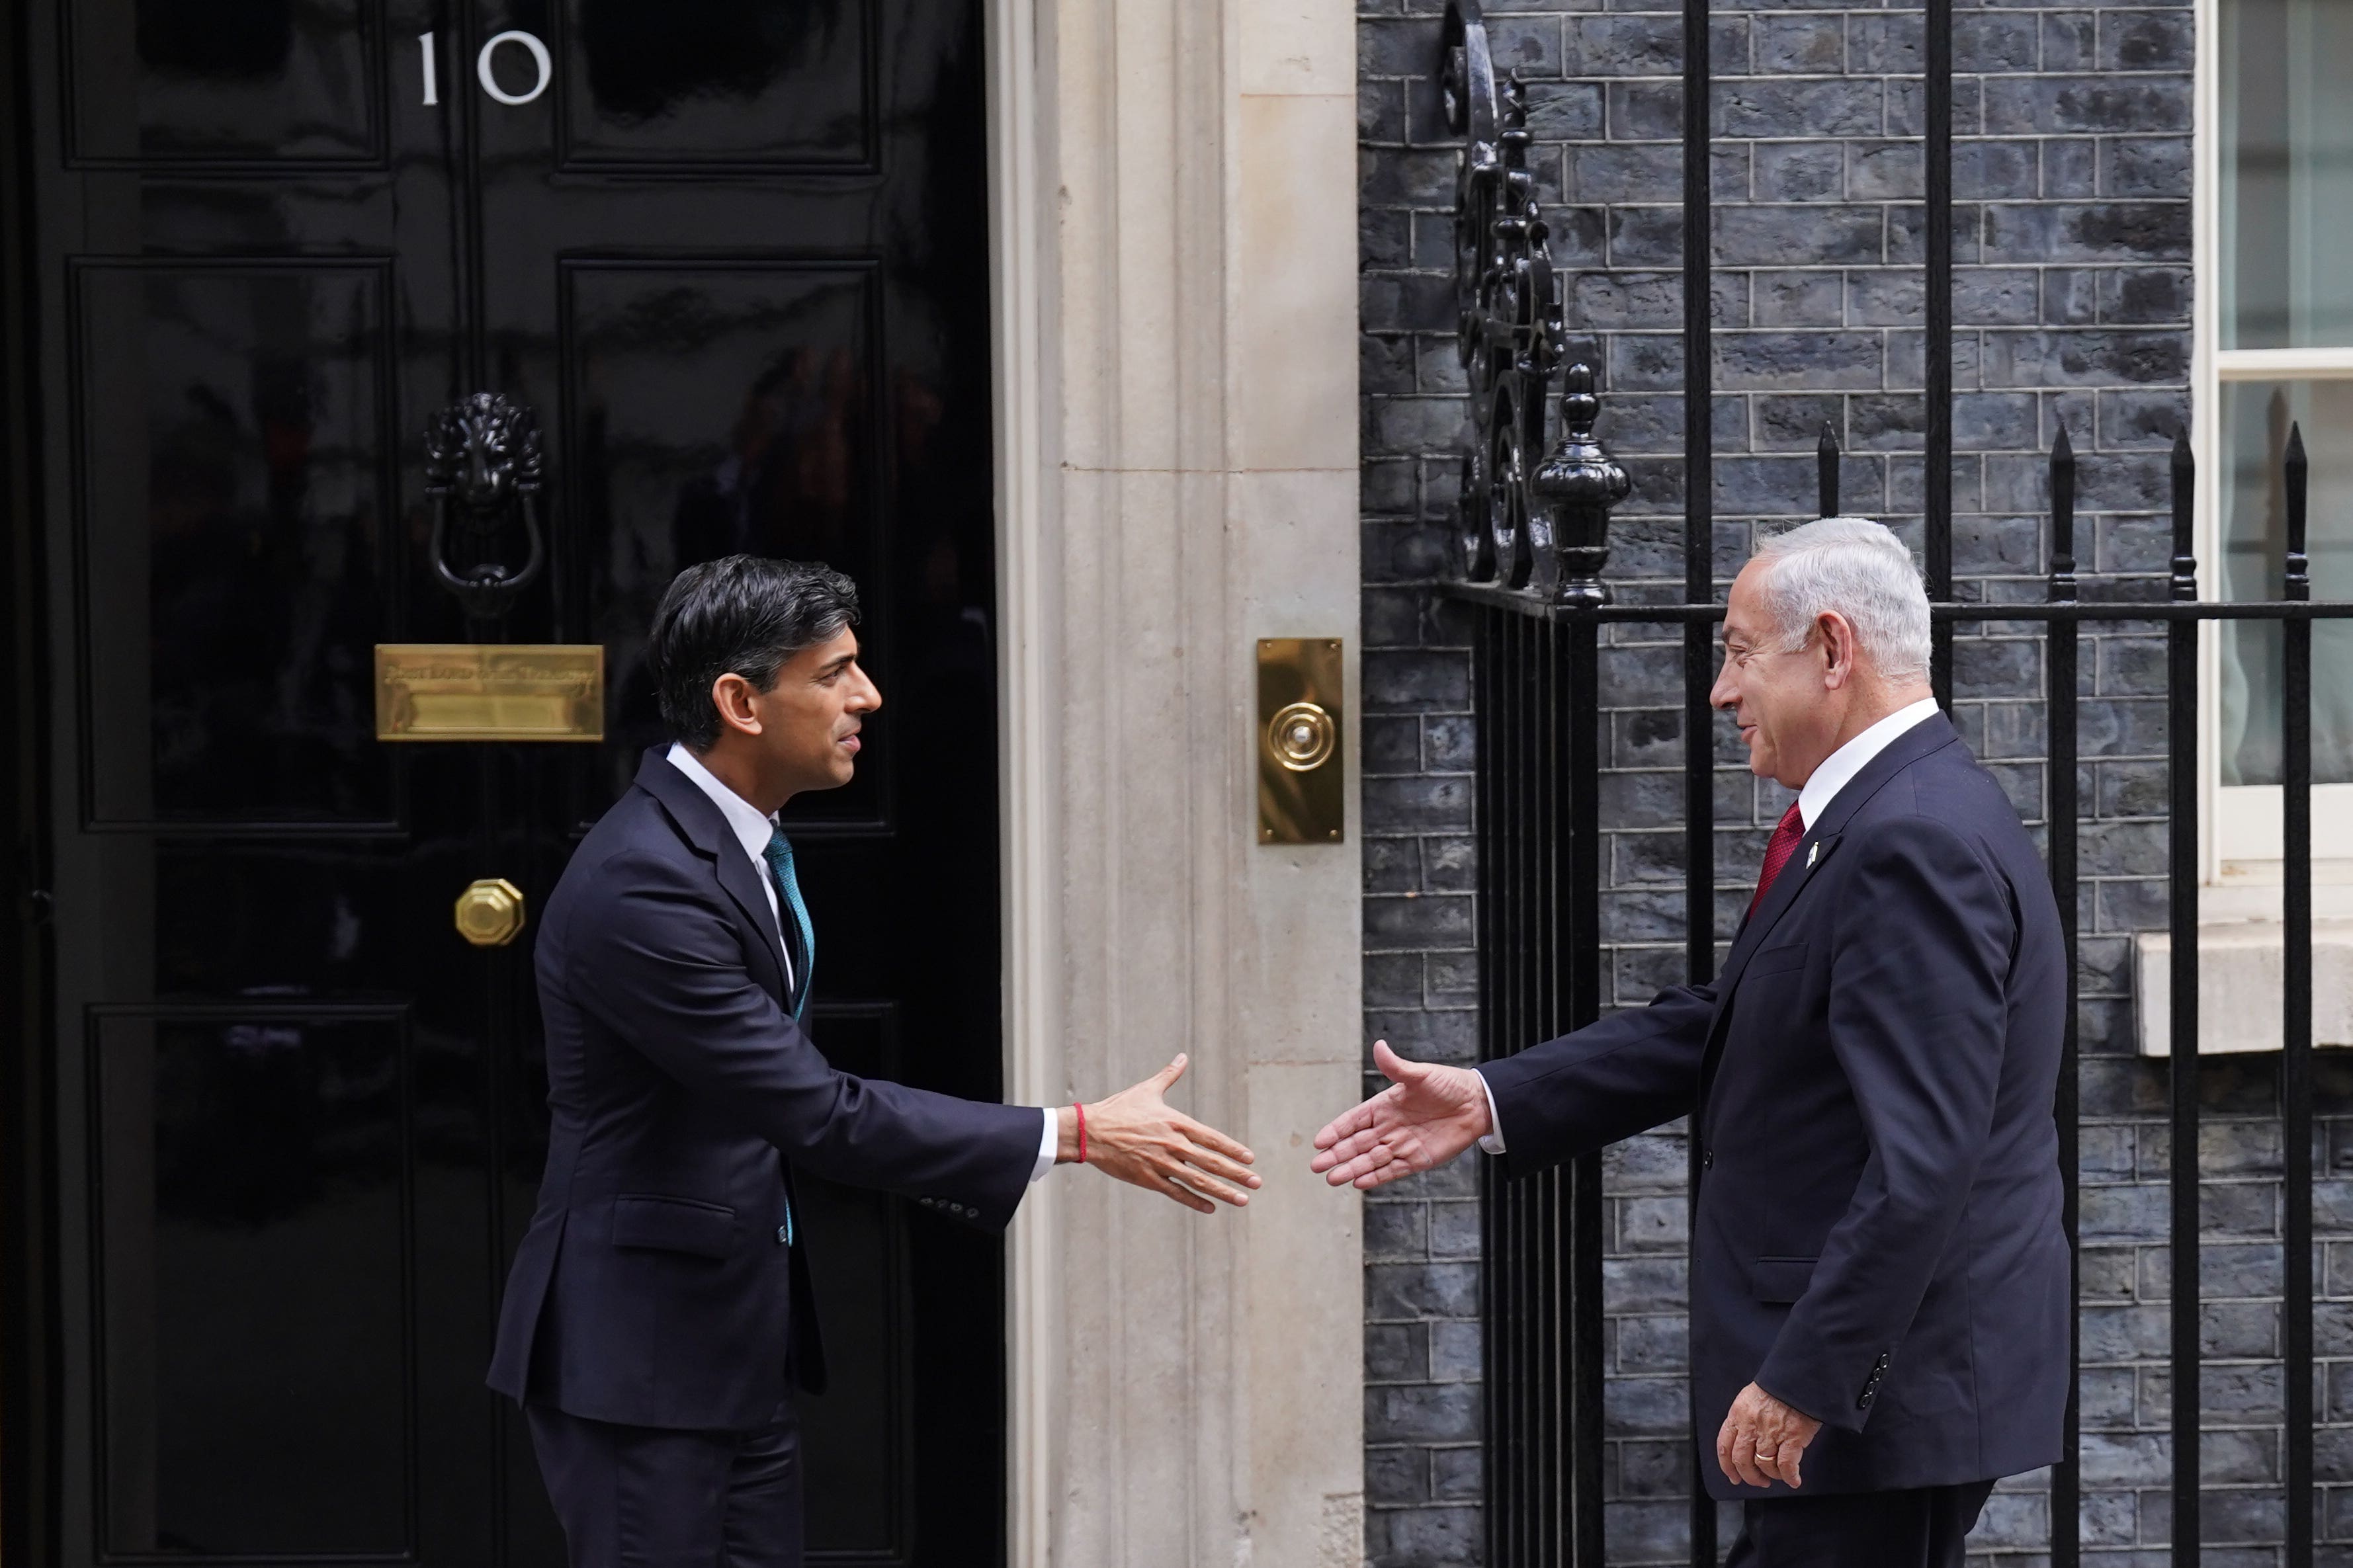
x,y
2241,973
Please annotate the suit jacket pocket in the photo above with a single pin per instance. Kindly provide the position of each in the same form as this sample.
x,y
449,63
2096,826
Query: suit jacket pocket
x,y
674,1225
1780,1279
1776,960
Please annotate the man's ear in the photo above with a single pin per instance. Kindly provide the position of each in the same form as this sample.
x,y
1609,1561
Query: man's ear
x,y
732,695
1838,649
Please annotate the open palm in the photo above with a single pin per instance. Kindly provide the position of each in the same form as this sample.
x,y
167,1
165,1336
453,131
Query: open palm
x,y
1426,1116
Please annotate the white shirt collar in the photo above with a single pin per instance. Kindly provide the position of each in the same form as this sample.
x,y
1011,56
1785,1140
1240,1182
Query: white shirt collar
x,y
1840,766
749,824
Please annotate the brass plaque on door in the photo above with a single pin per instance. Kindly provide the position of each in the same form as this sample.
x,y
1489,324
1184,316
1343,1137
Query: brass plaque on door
x,y
1302,779
490,691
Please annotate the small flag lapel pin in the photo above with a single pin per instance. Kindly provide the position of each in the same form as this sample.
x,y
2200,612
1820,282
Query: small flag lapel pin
x,y
1813,855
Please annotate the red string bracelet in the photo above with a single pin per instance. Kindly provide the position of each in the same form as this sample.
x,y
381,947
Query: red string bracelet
x,y
1082,1131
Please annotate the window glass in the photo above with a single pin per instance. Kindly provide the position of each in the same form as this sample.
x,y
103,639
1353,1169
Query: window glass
x,y
2257,416
2287,174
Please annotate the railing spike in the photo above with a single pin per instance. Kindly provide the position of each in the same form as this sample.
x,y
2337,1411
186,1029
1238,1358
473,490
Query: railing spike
x,y
2297,470
1826,473
2185,495
2063,518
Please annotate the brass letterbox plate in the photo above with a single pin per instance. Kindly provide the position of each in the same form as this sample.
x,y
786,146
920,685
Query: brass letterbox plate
x,y
1301,772
490,691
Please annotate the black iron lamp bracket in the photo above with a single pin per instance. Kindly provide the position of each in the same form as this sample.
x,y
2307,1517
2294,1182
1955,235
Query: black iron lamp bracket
x,y
1524,519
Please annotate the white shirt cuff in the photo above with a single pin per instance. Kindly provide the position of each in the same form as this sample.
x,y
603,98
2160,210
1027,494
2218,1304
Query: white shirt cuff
x,y
1049,1143
1494,1142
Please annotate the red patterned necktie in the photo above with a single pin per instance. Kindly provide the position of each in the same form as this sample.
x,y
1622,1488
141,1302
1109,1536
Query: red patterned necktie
x,y
1777,850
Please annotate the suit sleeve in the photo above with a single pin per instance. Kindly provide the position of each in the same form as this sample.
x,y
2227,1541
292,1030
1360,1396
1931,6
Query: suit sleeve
x,y
661,965
1614,1077
1919,962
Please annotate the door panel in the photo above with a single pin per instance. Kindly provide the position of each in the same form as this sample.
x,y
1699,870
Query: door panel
x,y
253,1212
717,407
732,85
274,82
733,258
234,492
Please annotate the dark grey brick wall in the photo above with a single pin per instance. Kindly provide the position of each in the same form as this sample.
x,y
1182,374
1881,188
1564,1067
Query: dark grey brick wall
x,y
2073,290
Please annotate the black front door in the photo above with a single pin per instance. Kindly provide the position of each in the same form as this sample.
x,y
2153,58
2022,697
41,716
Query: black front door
x,y
731,254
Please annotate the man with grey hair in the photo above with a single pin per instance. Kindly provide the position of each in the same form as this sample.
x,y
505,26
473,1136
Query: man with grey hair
x,y
1879,1278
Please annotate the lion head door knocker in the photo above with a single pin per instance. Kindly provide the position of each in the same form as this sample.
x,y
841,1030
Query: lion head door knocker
x,y
482,467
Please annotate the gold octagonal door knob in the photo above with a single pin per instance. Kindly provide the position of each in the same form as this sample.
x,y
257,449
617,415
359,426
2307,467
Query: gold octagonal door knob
x,y
489,912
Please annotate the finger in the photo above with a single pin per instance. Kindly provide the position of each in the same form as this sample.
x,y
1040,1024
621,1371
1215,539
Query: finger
x,y
1201,1132
1168,1075
1395,1170
1789,1462
1341,1126
1743,1459
1386,1164
1339,1175
1373,1156
1724,1452
1170,1190
1353,1147
1356,1170
1394,1066
1216,1164
1206,1185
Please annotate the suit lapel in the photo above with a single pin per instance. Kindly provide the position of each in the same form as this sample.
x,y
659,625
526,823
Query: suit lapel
x,y
1813,852
699,821
743,884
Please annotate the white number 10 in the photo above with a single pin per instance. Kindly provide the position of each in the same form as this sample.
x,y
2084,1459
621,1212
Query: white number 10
x,y
531,46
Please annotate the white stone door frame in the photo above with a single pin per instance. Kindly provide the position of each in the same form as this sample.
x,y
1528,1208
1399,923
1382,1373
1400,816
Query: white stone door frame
x,y
1174,276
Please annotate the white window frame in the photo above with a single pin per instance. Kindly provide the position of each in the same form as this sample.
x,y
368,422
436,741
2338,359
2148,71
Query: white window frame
x,y
2241,824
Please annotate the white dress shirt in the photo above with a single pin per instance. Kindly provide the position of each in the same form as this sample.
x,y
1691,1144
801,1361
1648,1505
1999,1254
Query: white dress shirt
x,y
1839,768
1831,776
753,828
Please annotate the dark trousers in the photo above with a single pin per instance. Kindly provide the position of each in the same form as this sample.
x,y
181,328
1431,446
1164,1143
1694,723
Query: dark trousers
x,y
642,1497
1923,1527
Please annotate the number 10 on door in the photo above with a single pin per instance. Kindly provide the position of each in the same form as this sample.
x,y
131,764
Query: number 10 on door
x,y
542,67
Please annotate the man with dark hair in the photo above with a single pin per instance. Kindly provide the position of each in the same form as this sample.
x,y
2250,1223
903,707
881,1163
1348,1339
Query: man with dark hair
x,y
659,1308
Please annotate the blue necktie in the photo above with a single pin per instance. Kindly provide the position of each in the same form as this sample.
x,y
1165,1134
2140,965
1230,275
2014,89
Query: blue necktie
x,y
788,891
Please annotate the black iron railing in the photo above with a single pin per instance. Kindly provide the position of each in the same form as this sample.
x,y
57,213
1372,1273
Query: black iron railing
x,y
1532,548
1536,697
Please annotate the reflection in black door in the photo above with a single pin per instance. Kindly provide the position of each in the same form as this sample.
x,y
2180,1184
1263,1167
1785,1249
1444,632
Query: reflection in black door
x,y
733,255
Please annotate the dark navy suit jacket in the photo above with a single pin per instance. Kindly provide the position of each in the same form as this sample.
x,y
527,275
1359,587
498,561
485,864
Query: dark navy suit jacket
x,y
654,1286
1877,1235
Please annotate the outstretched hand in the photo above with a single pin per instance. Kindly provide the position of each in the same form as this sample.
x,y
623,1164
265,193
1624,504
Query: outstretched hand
x,y
1137,1137
1428,1115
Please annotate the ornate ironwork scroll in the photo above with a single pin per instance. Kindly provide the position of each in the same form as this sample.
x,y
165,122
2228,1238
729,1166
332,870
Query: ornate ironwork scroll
x,y
1521,520
482,467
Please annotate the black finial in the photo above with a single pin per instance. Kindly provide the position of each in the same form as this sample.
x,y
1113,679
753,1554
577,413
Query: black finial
x,y
1579,405
2185,499
1826,473
2297,472
1574,488
2063,518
